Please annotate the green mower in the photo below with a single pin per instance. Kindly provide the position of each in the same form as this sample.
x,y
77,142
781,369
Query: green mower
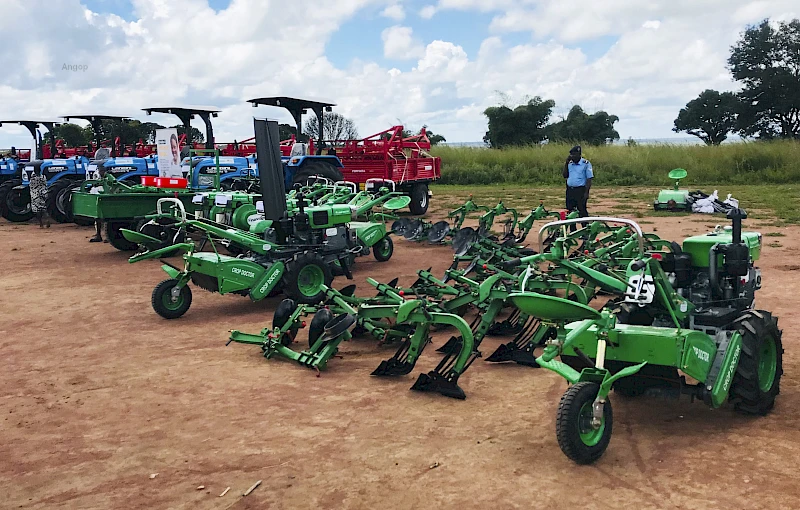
x,y
674,199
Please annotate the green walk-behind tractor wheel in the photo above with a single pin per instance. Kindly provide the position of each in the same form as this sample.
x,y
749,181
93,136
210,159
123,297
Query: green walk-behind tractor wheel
x,y
383,249
165,305
756,382
578,439
281,315
306,278
317,327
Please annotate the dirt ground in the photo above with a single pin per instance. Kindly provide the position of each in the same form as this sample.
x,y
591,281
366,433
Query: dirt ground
x,y
106,405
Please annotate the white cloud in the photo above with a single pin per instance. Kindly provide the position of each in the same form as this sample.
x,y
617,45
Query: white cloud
x,y
395,12
182,52
427,12
399,43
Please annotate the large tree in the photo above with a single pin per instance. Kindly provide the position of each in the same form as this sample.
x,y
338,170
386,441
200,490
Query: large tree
x,y
766,59
72,134
335,125
523,125
579,126
710,116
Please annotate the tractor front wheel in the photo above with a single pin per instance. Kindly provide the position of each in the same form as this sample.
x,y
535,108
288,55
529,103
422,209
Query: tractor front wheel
x,y
419,198
756,382
168,306
17,202
58,206
383,249
578,439
305,278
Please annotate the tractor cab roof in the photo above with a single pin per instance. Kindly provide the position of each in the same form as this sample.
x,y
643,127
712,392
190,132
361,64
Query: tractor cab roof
x,y
92,118
185,110
292,103
23,122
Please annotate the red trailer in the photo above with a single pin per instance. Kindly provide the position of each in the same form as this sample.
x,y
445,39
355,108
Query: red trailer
x,y
386,155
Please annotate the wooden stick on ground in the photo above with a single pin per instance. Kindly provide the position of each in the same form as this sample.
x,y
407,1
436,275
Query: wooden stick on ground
x,y
252,488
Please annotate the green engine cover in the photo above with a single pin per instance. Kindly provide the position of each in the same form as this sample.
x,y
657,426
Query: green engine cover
x,y
329,215
699,246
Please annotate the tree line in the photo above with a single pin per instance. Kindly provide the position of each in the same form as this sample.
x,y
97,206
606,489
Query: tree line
x,y
766,63
530,123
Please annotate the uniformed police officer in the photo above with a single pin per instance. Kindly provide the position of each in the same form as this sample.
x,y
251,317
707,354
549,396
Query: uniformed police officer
x,y
578,173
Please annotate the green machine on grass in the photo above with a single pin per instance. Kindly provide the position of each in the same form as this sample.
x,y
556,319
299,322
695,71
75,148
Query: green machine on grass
x,y
674,199
683,322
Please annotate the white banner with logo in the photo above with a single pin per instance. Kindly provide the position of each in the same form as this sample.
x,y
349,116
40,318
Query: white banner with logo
x,y
169,153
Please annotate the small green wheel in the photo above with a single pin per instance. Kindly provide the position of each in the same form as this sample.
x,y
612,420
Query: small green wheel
x,y
577,437
306,278
383,249
168,306
756,381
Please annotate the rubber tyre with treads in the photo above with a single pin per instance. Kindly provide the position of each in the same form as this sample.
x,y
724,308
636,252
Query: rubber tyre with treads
x,y
581,444
755,385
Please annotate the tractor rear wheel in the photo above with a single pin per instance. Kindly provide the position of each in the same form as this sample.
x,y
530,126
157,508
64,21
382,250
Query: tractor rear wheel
x,y
58,206
115,237
578,439
16,202
165,305
756,382
419,198
383,249
305,277
320,168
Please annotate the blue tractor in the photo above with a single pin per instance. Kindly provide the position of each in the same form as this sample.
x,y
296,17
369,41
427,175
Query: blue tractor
x,y
303,161
235,172
15,198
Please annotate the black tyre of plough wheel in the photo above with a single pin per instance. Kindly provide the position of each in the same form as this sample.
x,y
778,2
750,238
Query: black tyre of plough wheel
x,y
756,382
115,237
162,299
419,198
320,168
577,438
281,315
16,202
57,207
383,249
315,330
304,278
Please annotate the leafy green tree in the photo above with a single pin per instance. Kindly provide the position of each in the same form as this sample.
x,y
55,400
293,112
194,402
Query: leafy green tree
x,y
72,134
523,125
710,116
766,59
579,126
335,125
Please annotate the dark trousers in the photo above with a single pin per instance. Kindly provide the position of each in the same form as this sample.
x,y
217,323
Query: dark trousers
x,y
576,199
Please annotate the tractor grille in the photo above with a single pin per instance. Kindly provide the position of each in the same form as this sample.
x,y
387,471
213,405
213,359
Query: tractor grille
x,y
319,217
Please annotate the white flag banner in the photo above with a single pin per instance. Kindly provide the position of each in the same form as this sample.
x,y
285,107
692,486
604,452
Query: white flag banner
x,y
169,153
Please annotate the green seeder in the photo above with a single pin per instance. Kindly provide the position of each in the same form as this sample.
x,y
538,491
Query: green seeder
x,y
683,323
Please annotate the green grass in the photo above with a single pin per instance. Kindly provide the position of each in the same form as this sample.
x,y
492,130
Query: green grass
x,y
644,165
777,205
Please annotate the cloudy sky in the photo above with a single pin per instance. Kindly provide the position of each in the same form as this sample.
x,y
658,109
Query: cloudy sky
x,y
383,62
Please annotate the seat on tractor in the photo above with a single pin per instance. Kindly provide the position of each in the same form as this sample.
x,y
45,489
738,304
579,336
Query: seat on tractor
x,y
299,149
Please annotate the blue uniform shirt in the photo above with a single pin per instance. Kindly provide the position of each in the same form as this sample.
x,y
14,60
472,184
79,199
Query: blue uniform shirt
x,y
579,172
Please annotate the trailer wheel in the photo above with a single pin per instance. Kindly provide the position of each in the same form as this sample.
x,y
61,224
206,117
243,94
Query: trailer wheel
x,y
756,382
163,303
57,205
383,249
322,317
419,198
16,202
320,168
579,441
115,237
305,277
